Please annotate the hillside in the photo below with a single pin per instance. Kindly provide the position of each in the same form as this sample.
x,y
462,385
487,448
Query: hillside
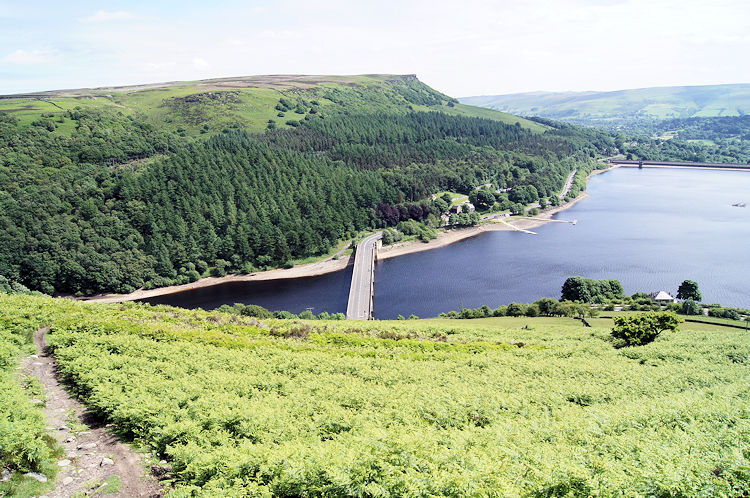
x,y
486,407
208,106
624,107
119,188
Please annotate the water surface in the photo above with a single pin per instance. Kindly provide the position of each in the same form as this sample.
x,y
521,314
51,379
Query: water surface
x,y
651,229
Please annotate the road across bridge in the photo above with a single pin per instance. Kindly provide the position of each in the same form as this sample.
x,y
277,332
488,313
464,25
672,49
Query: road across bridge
x,y
363,279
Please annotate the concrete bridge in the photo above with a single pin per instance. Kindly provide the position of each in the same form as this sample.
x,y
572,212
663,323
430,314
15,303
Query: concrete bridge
x,y
677,164
363,279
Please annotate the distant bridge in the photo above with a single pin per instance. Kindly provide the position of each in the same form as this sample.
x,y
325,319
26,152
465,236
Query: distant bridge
x,y
362,288
677,164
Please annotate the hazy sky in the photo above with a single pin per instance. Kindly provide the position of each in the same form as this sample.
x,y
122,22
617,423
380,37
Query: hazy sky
x,y
461,47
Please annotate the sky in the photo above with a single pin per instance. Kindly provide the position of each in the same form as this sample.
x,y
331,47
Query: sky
x,y
460,47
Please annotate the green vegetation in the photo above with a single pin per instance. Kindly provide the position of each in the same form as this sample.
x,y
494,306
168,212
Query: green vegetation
x,y
545,306
688,289
700,124
591,291
490,407
624,107
257,311
118,190
642,329
24,444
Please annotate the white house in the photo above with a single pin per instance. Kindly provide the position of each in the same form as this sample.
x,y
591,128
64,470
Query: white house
x,y
662,297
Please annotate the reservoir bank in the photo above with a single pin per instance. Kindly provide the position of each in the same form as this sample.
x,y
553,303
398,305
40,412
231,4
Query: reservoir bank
x,y
651,229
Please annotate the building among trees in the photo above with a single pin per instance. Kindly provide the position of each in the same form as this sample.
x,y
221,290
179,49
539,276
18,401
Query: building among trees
x,y
662,297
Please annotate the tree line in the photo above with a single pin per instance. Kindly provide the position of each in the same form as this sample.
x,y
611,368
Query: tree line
x,y
84,214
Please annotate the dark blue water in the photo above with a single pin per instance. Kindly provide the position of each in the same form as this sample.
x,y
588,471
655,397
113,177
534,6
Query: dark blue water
x,y
651,229
328,292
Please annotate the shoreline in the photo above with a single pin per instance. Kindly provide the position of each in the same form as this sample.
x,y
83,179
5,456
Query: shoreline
x,y
331,265
669,166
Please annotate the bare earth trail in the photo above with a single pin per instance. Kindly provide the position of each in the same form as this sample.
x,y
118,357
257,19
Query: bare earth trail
x,y
95,462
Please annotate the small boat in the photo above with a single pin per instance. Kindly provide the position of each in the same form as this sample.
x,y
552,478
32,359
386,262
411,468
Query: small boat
x,y
574,221
739,204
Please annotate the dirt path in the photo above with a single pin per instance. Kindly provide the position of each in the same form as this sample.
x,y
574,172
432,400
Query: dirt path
x,y
515,227
95,462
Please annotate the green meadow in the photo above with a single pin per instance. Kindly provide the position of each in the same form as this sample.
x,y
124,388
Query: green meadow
x,y
486,407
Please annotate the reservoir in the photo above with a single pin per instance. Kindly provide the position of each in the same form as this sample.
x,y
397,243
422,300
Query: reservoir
x,y
650,228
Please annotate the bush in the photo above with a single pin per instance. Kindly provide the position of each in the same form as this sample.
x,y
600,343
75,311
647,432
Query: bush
x,y
284,315
516,309
585,289
220,269
532,311
426,234
256,311
690,307
201,266
729,313
391,236
642,329
500,311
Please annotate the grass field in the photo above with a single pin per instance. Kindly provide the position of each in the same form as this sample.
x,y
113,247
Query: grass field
x,y
487,407
456,198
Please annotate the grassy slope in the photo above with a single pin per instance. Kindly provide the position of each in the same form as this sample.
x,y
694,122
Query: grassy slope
x,y
416,408
252,101
644,103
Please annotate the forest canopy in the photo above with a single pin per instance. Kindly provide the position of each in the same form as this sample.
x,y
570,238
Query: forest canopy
x,y
118,203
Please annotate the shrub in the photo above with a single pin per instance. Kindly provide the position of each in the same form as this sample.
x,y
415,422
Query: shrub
x,y
690,307
728,313
532,311
516,309
285,315
642,329
220,269
256,311
500,311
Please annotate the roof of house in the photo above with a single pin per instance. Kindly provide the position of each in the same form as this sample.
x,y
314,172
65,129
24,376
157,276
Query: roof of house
x,y
663,296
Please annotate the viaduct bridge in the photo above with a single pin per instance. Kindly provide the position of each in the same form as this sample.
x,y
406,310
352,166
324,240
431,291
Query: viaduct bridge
x,y
362,288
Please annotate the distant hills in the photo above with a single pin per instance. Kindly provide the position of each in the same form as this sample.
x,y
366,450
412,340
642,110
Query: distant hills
x,y
624,107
